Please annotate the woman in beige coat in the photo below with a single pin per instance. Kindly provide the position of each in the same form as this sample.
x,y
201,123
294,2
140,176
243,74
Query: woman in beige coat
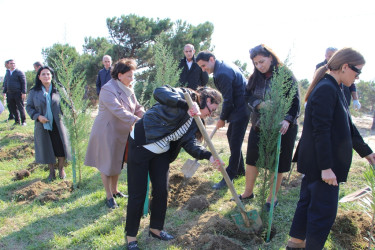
x,y
118,111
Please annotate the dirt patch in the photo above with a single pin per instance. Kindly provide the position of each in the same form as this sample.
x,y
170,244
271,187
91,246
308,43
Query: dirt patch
x,y
350,228
43,192
181,190
17,152
197,203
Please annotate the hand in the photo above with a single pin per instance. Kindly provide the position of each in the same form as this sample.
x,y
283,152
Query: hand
x,y
284,127
220,124
5,96
193,111
42,119
23,97
329,177
263,104
356,105
216,162
371,159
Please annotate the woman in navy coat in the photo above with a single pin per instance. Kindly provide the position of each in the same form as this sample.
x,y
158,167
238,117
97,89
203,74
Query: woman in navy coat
x,y
325,149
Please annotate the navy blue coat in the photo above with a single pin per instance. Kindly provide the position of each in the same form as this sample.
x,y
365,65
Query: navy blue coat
x,y
229,80
329,134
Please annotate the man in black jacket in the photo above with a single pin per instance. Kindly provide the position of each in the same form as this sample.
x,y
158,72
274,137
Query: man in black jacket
x,y
191,75
11,116
229,80
15,90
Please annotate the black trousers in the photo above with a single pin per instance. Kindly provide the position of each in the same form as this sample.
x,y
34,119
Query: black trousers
x,y
11,116
315,214
142,162
235,135
16,103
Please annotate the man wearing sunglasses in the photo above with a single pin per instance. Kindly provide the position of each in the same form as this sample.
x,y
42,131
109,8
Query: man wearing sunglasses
x,y
349,92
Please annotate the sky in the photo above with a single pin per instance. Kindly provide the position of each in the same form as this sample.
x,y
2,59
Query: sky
x,y
298,29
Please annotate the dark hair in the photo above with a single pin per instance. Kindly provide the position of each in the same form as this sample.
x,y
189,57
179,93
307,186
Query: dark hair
x,y
122,66
38,83
338,59
204,56
206,92
37,64
257,76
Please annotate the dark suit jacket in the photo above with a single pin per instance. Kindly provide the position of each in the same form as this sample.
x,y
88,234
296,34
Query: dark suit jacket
x,y
193,77
15,83
103,77
329,134
229,80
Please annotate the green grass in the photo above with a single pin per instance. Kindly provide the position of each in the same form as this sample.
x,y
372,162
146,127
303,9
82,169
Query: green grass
x,y
80,220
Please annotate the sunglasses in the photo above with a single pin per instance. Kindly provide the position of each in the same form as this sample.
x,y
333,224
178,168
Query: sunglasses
x,y
356,70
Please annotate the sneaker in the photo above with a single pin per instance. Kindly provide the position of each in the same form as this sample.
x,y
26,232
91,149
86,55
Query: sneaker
x,y
220,185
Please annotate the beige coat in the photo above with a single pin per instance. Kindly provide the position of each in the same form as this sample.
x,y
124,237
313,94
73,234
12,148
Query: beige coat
x,y
118,112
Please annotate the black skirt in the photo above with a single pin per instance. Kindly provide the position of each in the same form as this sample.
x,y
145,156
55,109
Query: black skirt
x,y
57,145
286,150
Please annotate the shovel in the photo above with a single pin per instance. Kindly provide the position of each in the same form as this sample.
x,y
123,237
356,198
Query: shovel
x,y
191,166
246,222
356,195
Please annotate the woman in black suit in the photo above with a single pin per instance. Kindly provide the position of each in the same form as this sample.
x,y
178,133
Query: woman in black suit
x,y
325,149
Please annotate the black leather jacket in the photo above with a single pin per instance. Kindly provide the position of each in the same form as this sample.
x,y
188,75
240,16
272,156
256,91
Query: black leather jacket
x,y
168,115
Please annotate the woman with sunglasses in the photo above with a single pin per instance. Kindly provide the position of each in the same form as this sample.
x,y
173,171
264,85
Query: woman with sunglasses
x,y
325,149
154,143
266,63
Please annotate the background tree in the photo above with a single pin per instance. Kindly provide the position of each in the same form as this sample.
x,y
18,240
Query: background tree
x,y
243,68
366,93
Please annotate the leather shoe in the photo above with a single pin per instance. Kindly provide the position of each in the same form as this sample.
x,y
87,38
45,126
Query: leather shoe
x,y
133,245
220,185
244,198
163,235
292,245
111,203
119,195
268,205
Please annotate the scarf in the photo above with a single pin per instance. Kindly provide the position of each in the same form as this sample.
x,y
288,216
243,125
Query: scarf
x,y
48,115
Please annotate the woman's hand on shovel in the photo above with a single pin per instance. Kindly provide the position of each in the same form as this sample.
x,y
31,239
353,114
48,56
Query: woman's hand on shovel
x,y
216,162
193,111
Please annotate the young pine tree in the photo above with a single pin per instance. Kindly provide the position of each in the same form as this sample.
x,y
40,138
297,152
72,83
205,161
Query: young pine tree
x,y
77,115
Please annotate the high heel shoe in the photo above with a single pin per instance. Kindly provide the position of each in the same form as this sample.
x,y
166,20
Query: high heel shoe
x,y
163,235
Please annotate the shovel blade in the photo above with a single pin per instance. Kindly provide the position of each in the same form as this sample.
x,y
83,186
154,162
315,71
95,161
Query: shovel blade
x,y
190,167
253,217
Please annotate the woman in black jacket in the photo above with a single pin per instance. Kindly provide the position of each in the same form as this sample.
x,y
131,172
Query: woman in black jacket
x,y
325,149
265,64
154,143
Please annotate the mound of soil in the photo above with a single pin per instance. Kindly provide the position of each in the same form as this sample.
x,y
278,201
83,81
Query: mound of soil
x,y
181,190
42,191
197,203
23,173
350,228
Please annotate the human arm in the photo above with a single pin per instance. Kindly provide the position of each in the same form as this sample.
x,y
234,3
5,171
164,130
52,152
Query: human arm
x,y
98,84
172,97
22,80
224,83
30,106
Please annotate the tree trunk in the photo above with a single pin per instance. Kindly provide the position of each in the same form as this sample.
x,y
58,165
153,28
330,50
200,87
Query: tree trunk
x,y
373,122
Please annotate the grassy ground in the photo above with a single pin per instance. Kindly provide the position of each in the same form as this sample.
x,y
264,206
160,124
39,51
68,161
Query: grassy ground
x,y
80,219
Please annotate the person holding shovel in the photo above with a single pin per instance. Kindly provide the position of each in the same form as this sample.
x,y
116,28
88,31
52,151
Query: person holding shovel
x,y
154,143
50,134
325,149
266,63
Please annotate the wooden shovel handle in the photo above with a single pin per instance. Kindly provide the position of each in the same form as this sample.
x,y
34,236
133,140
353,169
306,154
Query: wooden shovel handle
x,y
216,156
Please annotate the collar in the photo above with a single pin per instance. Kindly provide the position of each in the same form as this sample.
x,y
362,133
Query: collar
x,y
128,90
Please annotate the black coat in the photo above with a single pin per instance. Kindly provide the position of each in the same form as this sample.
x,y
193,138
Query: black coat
x,y
15,83
193,77
329,134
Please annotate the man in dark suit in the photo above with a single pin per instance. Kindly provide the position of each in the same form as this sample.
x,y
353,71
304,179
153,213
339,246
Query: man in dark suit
x,y
229,80
11,116
191,75
104,74
15,91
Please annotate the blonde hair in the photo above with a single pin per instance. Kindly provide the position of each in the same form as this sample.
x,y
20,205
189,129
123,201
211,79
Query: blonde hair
x,y
338,59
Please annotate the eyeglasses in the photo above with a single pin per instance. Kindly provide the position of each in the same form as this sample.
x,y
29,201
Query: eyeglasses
x,y
212,112
356,70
